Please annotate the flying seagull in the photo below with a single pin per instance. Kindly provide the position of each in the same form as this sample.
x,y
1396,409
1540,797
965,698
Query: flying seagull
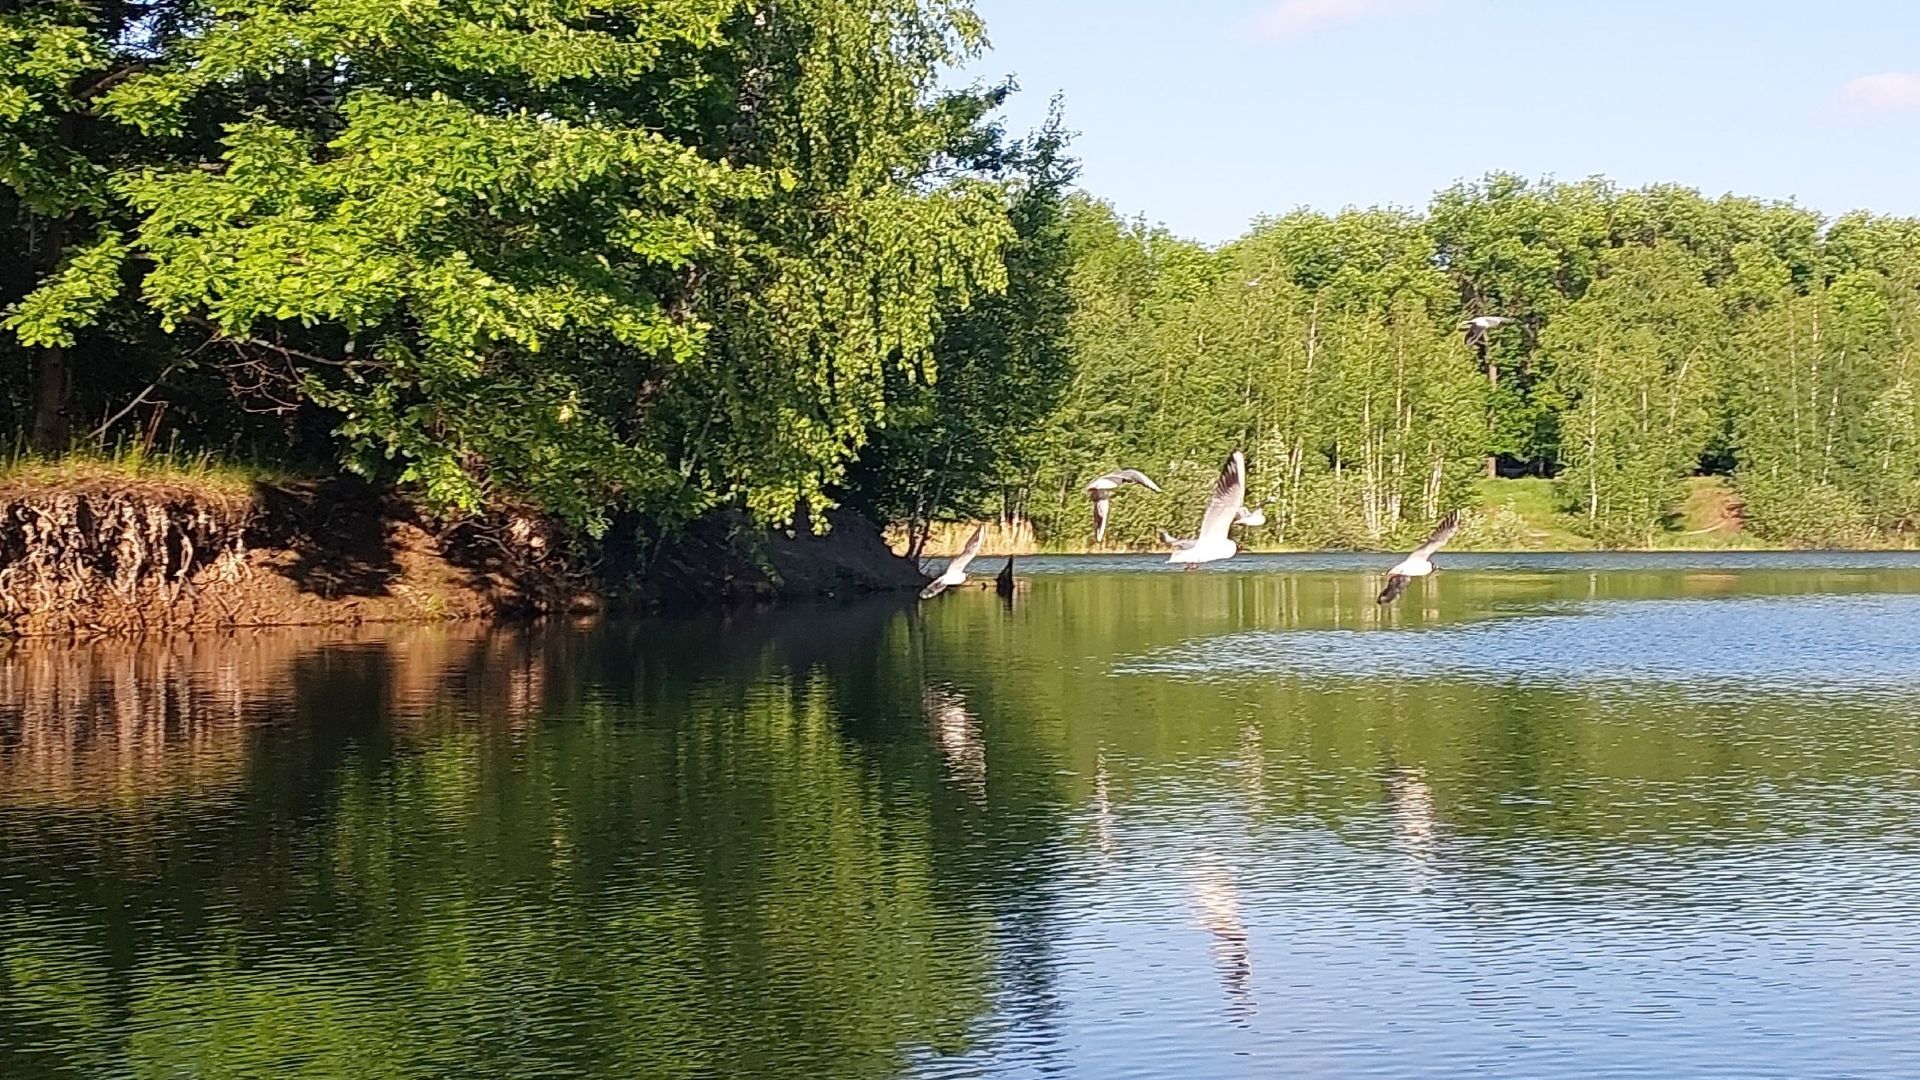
x,y
1252,519
956,571
1420,563
1101,491
1478,327
1224,509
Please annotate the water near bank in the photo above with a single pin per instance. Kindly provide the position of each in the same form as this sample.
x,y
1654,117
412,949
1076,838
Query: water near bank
x,y
1566,816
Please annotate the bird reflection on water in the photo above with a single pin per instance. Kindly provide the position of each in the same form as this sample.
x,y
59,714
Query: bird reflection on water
x,y
1676,840
957,732
1217,897
1415,824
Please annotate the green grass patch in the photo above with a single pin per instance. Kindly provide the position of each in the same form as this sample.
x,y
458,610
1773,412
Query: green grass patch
x,y
1524,515
135,466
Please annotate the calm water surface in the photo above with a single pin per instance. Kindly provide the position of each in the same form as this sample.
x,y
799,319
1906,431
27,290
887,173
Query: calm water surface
x,y
1563,816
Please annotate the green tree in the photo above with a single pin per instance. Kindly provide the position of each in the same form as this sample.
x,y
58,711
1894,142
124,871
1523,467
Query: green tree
x,y
1124,278
588,254
959,436
1817,414
1637,358
58,207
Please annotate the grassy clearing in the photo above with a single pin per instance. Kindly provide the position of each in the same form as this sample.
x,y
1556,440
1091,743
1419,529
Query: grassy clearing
x,y
1530,518
1526,517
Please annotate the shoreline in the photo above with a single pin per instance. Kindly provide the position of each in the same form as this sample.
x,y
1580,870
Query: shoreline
x,y
117,557
97,555
1512,515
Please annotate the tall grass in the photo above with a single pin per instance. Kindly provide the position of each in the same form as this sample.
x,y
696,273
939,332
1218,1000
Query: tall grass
x,y
134,460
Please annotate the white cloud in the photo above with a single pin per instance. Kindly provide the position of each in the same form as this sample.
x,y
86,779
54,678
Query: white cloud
x,y
1293,18
1889,91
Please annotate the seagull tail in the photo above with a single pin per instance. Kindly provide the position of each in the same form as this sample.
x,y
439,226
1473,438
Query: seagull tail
x,y
933,589
1396,584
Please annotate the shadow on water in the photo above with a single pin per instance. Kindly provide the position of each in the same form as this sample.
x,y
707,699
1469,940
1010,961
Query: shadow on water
x,y
1553,820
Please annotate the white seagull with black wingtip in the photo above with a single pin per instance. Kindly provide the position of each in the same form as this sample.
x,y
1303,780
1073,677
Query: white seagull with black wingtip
x,y
1420,563
956,571
1224,510
1101,492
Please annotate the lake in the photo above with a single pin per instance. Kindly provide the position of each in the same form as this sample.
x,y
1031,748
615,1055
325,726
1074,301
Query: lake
x,y
1549,816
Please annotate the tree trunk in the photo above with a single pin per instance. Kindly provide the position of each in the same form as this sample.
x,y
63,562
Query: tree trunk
x,y
53,375
1493,386
53,399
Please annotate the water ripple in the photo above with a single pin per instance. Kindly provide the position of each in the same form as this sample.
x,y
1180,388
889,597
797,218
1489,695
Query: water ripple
x,y
1807,643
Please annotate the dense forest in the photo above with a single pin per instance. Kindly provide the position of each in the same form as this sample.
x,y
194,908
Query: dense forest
x,y
635,259
1656,335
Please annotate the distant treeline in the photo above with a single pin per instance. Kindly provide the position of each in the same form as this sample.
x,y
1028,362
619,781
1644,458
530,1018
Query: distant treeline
x,y
604,256
1658,335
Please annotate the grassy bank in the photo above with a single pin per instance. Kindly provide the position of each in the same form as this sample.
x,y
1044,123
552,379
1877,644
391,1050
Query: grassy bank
x,y
1524,515
1509,515
127,468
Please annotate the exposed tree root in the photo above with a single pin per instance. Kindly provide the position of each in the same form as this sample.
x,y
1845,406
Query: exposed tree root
x,y
113,560
139,556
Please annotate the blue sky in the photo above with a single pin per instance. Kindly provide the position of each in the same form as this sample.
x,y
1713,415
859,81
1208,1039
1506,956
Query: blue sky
x,y
1206,113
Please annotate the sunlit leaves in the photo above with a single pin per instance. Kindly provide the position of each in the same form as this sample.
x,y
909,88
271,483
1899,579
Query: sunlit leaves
x,y
490,193
1639,359
72,297
1322,345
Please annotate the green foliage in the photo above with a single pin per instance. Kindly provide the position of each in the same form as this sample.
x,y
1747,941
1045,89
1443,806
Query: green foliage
x,y
964,443
1637,360
1823,408
1658,335
1320,344
595,256
591,254
73,296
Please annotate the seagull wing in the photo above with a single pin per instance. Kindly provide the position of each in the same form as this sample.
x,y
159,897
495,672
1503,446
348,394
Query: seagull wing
x,y
1174,542
1448,526
1229,492
1133,476
967,553
1101,500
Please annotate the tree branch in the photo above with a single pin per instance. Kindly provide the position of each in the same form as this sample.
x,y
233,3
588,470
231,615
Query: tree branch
x,y
111,80
137,399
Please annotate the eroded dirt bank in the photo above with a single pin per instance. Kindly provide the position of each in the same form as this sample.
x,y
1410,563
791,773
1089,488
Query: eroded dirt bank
x,y
114,557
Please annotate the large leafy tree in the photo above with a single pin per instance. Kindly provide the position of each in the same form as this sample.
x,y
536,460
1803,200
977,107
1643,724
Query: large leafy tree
x,y
960,435
589,253
59,208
